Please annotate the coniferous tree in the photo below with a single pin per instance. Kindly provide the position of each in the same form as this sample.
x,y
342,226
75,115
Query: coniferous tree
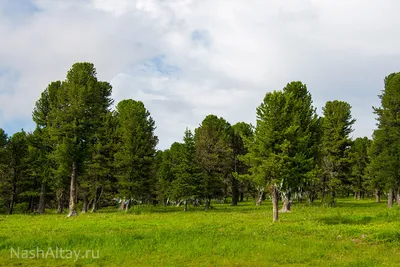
x,y
214,155
336,128
74,118
359,160
136,150
385,155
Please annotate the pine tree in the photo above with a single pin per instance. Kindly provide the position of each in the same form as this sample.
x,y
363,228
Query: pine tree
x,y
336,128
136,147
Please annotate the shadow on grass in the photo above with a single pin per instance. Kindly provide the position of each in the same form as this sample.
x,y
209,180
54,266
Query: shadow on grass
x,y
338,219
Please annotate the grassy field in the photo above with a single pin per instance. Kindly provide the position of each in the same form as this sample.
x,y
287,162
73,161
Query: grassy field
x,y
355,233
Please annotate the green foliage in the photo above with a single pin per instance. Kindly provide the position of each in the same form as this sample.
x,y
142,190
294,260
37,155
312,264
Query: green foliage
x,y
282,151
213,154
335,163
385,151
359,161
134,158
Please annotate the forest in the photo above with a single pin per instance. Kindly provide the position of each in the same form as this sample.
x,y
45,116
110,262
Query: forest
x,y
84,155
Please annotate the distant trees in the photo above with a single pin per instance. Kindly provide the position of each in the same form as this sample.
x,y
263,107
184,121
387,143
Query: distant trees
x,y
336,143
385,151
82,147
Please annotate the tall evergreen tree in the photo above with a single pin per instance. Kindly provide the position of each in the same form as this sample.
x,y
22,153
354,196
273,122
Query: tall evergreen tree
x,y
385,162
359,161
281,152
214,155
74,118
336,126
136,151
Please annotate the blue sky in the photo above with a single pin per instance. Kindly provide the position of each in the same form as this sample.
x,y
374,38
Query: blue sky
x,y
185,59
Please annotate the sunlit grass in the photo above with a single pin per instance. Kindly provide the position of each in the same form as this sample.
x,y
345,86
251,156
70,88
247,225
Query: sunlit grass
x,y
355,233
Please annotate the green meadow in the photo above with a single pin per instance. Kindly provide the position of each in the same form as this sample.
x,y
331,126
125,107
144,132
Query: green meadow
x,y
354,233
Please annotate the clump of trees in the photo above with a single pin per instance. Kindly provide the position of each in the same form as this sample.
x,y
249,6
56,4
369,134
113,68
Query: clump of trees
x,y
84,154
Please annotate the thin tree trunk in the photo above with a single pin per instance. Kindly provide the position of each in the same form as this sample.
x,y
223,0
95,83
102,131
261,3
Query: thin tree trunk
x,y
13,197
207,206
359,195
30,206
275,199
390,198
235,192
85,205
72,192
260,197
96,200
42,199
398,198
241,196
185,205
377,195
60,200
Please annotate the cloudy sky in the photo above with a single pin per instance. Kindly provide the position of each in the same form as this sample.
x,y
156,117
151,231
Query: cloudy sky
x,y
185,59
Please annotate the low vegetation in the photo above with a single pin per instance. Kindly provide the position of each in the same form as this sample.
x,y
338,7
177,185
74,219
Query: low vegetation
x,y
354,233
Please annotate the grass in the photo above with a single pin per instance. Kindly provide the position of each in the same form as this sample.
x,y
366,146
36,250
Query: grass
x,y
355,233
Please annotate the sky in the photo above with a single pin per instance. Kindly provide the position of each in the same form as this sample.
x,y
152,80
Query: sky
x,y
185,59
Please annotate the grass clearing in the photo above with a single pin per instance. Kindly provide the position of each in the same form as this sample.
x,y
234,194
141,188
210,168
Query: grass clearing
x,y
355,233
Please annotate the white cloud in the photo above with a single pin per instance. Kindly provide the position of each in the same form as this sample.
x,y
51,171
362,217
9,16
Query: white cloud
x,y
185,59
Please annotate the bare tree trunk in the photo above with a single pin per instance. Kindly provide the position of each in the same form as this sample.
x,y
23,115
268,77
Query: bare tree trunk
x,y
235,192
60,200
286,205
378,195
390,198
72,192
207,205
42,200
185,203
275,199
260,194
359,195
241,196
122,205
398,197
85,205
96,200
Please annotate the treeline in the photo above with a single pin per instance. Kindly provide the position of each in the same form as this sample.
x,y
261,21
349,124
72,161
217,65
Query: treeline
x,y
82,151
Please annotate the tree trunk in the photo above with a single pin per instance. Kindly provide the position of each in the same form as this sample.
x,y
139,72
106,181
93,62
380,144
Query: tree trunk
x,y
185,203
122,205
260,197
241,196
286,205
96,200
42,200
30,206
398,197
235,192
85,205
60,200
275,199
359,195
390,198
72,192
377,195
207,206
13,197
